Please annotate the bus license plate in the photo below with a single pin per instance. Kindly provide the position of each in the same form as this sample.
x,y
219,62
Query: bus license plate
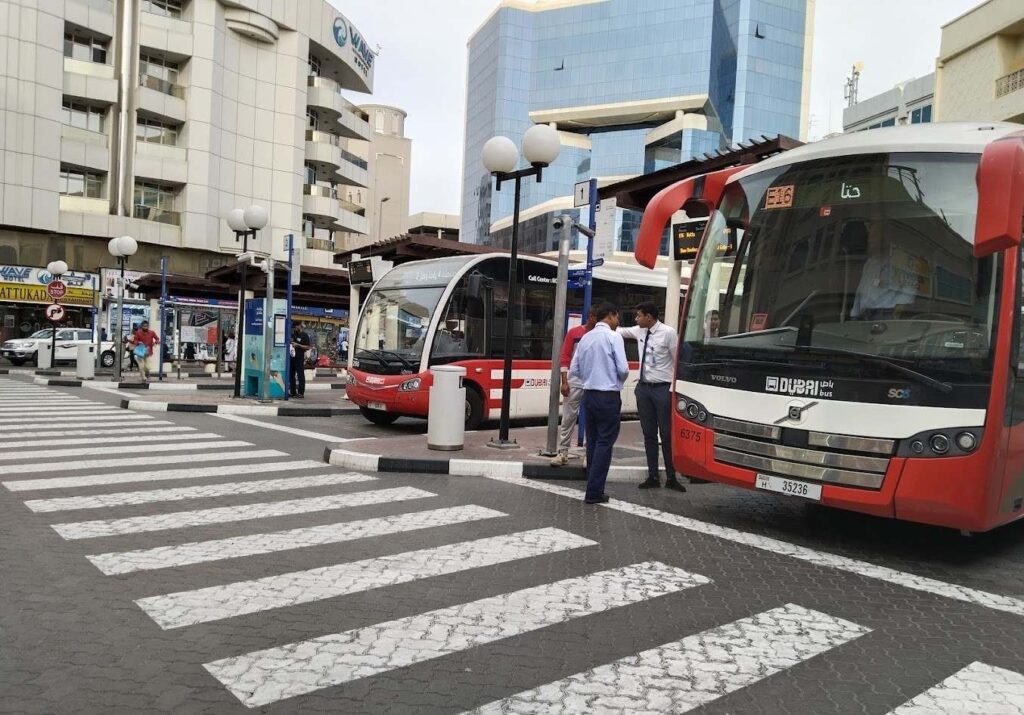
x,y
377,406
789,487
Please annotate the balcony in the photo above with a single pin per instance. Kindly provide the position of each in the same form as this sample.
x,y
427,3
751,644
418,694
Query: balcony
x,y
325,149
161,85
84,205
89,80
320,244
352,222
82,147
154,213
324,94
1013,82
320,202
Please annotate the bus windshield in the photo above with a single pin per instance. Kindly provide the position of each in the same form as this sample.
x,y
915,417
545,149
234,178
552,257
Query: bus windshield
x,y
861,266
393,328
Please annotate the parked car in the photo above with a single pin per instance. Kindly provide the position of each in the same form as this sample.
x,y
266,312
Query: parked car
x,y
22,350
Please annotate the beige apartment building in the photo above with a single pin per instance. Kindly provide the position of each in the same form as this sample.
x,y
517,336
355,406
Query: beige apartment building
x,y
153,118
980,70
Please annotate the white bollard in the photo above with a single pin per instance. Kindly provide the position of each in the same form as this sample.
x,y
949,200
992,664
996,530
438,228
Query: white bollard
x,y
85,365
446,415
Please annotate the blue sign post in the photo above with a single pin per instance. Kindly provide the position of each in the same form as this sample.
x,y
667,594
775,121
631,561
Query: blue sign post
x,y
163,303
290,241
588,287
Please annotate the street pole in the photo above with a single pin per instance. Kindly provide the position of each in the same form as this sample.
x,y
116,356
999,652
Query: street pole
x,y
561,291
513,276
240,327
163,303
288,316
353,313
581,420
119,322
268,330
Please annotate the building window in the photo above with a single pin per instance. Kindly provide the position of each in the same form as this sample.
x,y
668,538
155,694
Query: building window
x,y
83,116
155,131
155,202
80,182
81,46
312,119
921,115
379,120
317,237
314,66
159,74
167,8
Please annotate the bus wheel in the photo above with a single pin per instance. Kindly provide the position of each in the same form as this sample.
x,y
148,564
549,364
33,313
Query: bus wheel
x,y
474,408
378,417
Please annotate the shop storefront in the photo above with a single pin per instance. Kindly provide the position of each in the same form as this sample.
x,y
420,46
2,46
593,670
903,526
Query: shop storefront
x,y
23,300
325,327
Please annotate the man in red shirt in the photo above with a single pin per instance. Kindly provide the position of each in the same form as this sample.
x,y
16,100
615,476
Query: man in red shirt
x,y
571,391
147,338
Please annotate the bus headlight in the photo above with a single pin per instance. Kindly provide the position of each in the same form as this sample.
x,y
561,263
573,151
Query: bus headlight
x,y
681,406
966,441
939,443
410,385
692,410
350,380
947,442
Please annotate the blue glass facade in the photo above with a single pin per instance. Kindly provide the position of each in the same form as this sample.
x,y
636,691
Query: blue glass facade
x,y
746,57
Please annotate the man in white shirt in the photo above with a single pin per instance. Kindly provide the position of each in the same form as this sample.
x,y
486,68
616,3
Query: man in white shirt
x,y
658,344
880,293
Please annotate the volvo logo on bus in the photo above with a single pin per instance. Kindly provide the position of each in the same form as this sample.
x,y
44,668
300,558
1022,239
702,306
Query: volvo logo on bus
x,y
804,387
795,413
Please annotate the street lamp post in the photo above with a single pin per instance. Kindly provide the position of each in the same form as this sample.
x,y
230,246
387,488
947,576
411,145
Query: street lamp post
x,y
120,248
380,215
245,223
55,269
500,157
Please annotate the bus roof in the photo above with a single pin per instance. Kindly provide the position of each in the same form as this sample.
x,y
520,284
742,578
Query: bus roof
x,y
949,137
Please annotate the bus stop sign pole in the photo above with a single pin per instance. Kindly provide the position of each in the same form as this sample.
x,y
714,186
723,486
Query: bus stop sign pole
x,y
564,222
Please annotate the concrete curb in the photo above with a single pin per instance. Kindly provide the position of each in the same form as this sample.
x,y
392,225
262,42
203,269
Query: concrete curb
x,y
57,382
192,387
260,410
362,461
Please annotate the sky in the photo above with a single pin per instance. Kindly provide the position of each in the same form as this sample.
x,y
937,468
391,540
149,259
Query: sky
x,y
422,69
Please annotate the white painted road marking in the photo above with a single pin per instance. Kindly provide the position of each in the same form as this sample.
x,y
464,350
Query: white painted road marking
x,y
228,514
50,408
681,676
160,475
251,545
128,432
61,454
954,591
63,420
978,689
100,501
289,430
143,460
140,440
188,608
267,676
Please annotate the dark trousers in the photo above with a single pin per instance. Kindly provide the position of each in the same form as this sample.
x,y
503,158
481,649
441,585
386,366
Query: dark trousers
x,y
298,376
654,404
603,410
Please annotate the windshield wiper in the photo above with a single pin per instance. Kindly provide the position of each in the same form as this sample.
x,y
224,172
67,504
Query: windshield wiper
x,y
939,385
386,353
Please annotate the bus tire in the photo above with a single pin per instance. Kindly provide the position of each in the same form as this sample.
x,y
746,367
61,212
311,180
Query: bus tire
x,y
378,417
474,408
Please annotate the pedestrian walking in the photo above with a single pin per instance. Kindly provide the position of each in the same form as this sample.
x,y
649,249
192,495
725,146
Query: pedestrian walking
x,y
658,344
142,345
132,362
300,344
599,364
230,350
572,391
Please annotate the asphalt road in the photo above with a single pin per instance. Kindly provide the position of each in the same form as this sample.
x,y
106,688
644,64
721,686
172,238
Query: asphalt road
x,y
193,563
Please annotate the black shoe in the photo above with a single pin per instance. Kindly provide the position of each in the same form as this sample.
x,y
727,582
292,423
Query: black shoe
x,y
651,483
674,485
301,394
603,499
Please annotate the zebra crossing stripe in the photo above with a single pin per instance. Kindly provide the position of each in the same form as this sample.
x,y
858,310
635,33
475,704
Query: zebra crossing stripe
x,y
49,407
228,514
267,676
143,460
61,422
93,451
77,416
188,608
681,676
48,401
254,544
160,475
136,440
978,689
129,432
99,501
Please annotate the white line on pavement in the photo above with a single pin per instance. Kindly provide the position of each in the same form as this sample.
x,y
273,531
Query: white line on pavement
x,y
289,430
228,514
201,492
188,608
994,601
144,439
128,432
61,454
123,418
61,415
267,676
251,545
45,409
978,689
141,460
160,475
680,676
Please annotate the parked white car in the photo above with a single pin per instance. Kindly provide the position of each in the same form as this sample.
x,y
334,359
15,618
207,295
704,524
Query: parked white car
x,y
23,350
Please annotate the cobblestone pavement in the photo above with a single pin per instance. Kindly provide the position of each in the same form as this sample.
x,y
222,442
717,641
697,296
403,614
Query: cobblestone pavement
x,y
191,563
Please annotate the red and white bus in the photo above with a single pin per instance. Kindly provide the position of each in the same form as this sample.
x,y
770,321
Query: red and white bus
x,y
453,311
853,328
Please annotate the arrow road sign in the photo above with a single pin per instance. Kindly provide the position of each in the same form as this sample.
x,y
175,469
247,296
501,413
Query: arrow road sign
x,y
56,289
55,313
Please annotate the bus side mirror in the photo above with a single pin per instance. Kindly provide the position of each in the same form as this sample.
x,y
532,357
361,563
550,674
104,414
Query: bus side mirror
x,y
476,284
1000,180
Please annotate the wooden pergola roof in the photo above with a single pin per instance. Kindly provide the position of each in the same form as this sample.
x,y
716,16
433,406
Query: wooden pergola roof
x,y
413,247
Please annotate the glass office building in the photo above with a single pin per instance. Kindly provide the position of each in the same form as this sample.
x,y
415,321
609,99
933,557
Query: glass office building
x,y
632,86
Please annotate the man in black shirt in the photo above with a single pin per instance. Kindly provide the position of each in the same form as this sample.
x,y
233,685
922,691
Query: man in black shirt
x,y
300,344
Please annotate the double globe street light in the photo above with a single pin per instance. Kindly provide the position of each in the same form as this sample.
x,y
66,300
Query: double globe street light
x,y
120,248
541,146
245,223
56,269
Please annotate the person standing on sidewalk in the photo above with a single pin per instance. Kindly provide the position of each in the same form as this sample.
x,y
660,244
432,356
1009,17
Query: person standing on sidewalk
x,y
571,391
300,344
600,365
147,338
658,344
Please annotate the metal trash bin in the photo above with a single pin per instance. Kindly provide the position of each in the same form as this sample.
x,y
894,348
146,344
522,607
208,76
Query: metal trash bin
x,y
446,415
44,355
85,365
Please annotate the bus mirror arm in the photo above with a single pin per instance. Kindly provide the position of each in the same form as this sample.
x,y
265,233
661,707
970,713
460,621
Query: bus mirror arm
x,y
1000,180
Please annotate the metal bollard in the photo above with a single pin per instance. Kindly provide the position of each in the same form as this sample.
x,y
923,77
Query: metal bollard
x,y
44,356
446,415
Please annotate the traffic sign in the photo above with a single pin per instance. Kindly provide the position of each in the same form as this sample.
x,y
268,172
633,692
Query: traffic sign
x,y
55,313
581,194
56,289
